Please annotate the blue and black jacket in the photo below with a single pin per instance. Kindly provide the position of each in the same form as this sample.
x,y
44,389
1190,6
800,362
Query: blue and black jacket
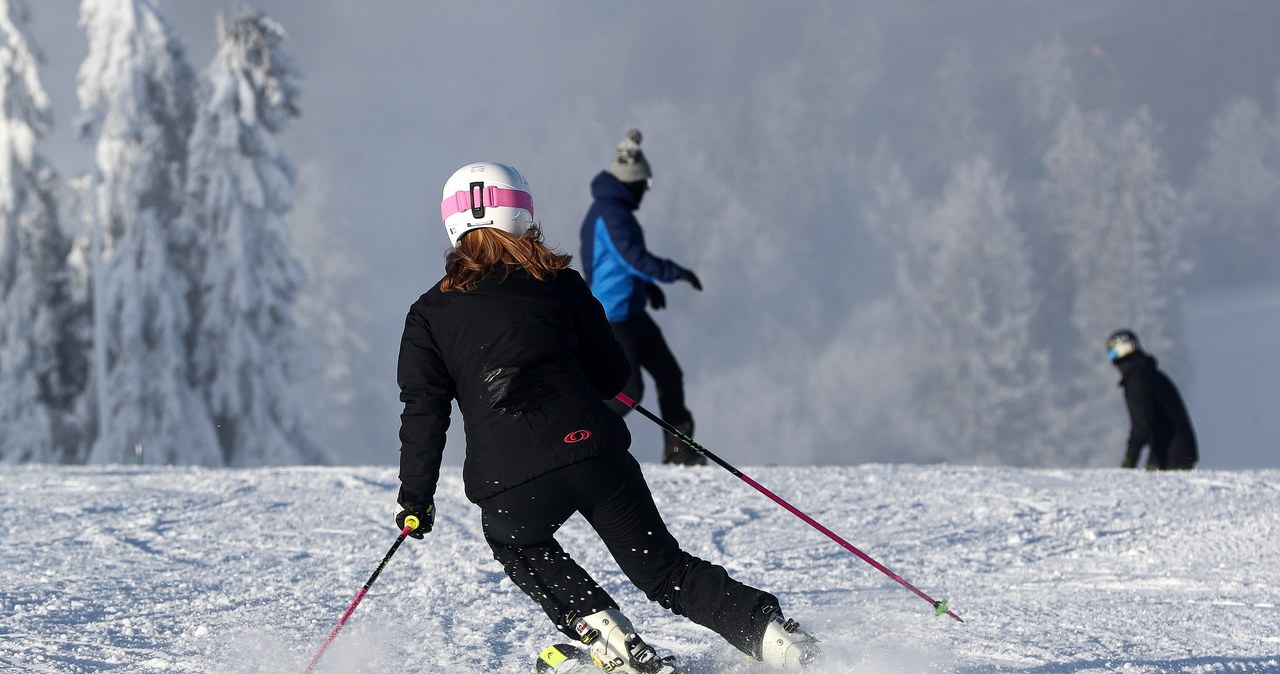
x,y
614,260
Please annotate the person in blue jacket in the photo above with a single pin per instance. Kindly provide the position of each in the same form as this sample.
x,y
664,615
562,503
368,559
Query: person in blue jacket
x,y
624,277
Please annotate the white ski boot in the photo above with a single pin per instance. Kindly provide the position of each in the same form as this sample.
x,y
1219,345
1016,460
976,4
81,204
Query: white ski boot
x,y
615,646
787,647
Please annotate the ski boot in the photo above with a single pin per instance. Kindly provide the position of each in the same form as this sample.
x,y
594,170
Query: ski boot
x,y
615,647
785,646
676,452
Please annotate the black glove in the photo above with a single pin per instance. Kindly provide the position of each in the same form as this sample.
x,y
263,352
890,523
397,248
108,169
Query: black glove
x,y
657,299
426,517
692,278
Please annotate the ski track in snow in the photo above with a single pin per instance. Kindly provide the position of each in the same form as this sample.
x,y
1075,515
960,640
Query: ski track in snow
x,y
123,569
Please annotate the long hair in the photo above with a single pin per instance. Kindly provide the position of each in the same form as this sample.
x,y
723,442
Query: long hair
x,y
480,250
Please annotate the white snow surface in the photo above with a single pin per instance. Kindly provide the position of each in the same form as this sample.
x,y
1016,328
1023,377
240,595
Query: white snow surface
x,y
151,569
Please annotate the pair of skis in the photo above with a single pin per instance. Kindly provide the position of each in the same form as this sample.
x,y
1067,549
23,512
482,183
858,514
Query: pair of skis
x,y
566,659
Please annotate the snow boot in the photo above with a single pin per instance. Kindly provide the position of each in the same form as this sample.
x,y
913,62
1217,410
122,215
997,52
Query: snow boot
x,y
615,647
787,647
676,452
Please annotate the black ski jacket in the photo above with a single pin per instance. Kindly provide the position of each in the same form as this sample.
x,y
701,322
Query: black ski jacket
x,y
1158,416
529,363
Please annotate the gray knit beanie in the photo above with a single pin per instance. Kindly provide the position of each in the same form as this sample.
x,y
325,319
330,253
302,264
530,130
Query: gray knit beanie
x,y
630,164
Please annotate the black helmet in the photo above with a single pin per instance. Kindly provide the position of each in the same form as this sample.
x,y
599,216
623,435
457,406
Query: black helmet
x,y
1122,343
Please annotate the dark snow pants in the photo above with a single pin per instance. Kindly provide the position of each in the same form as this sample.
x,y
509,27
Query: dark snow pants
x,y
611,494
642,341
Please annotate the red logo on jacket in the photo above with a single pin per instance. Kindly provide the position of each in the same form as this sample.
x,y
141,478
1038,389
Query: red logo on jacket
x,y
577,436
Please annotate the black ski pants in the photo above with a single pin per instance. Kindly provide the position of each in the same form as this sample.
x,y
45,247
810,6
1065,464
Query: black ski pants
x,y
610,493
646,349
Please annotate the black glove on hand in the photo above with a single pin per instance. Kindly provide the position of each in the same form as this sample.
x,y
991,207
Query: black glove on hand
x,y
426,517
692,278
657,299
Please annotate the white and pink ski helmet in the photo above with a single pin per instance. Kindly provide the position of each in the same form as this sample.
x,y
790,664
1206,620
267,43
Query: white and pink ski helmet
x,y
486,195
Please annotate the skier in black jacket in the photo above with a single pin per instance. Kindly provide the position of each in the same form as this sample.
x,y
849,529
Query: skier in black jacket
x,y
1157,414
516,338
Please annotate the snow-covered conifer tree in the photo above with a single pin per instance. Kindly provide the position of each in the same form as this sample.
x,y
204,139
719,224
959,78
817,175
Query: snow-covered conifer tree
x,y
41,343
1236,194
136,88
965,279
247,354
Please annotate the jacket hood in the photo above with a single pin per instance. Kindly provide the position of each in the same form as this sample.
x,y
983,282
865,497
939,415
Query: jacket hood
x,y
607,186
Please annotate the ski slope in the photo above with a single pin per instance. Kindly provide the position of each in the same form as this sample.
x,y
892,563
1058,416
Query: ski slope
x,y
125,569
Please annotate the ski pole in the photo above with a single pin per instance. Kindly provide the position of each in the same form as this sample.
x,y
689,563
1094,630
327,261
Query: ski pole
x,y
939,606
410,523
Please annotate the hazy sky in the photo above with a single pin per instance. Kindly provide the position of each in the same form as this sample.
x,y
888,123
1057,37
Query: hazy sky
x,y
396,95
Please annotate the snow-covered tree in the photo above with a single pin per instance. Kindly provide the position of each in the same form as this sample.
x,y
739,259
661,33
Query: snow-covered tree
x,y
41,328
248,357
1236,194
980,383
136,88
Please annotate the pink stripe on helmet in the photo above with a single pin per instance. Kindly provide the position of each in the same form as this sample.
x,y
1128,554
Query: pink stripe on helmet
x,y
490,197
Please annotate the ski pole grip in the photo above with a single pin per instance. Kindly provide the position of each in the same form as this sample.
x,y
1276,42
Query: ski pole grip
x,y
411,522
625,400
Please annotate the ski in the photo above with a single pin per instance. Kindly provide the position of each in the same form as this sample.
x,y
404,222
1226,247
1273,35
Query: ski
x,y
565,659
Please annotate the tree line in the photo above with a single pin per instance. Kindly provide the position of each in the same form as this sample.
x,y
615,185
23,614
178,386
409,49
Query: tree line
x,y
164,331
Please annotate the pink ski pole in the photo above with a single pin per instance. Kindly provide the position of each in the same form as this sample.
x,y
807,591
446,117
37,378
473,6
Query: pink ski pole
x,y
939,607
410,523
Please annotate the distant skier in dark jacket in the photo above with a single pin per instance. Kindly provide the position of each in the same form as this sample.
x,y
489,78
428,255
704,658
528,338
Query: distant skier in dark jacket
x,y
1157,414
515,337
624,275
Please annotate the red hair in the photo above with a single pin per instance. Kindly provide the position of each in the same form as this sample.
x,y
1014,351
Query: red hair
x,y
480,250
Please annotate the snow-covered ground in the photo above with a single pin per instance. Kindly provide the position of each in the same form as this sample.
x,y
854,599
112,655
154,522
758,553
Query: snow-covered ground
x,y
128,569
